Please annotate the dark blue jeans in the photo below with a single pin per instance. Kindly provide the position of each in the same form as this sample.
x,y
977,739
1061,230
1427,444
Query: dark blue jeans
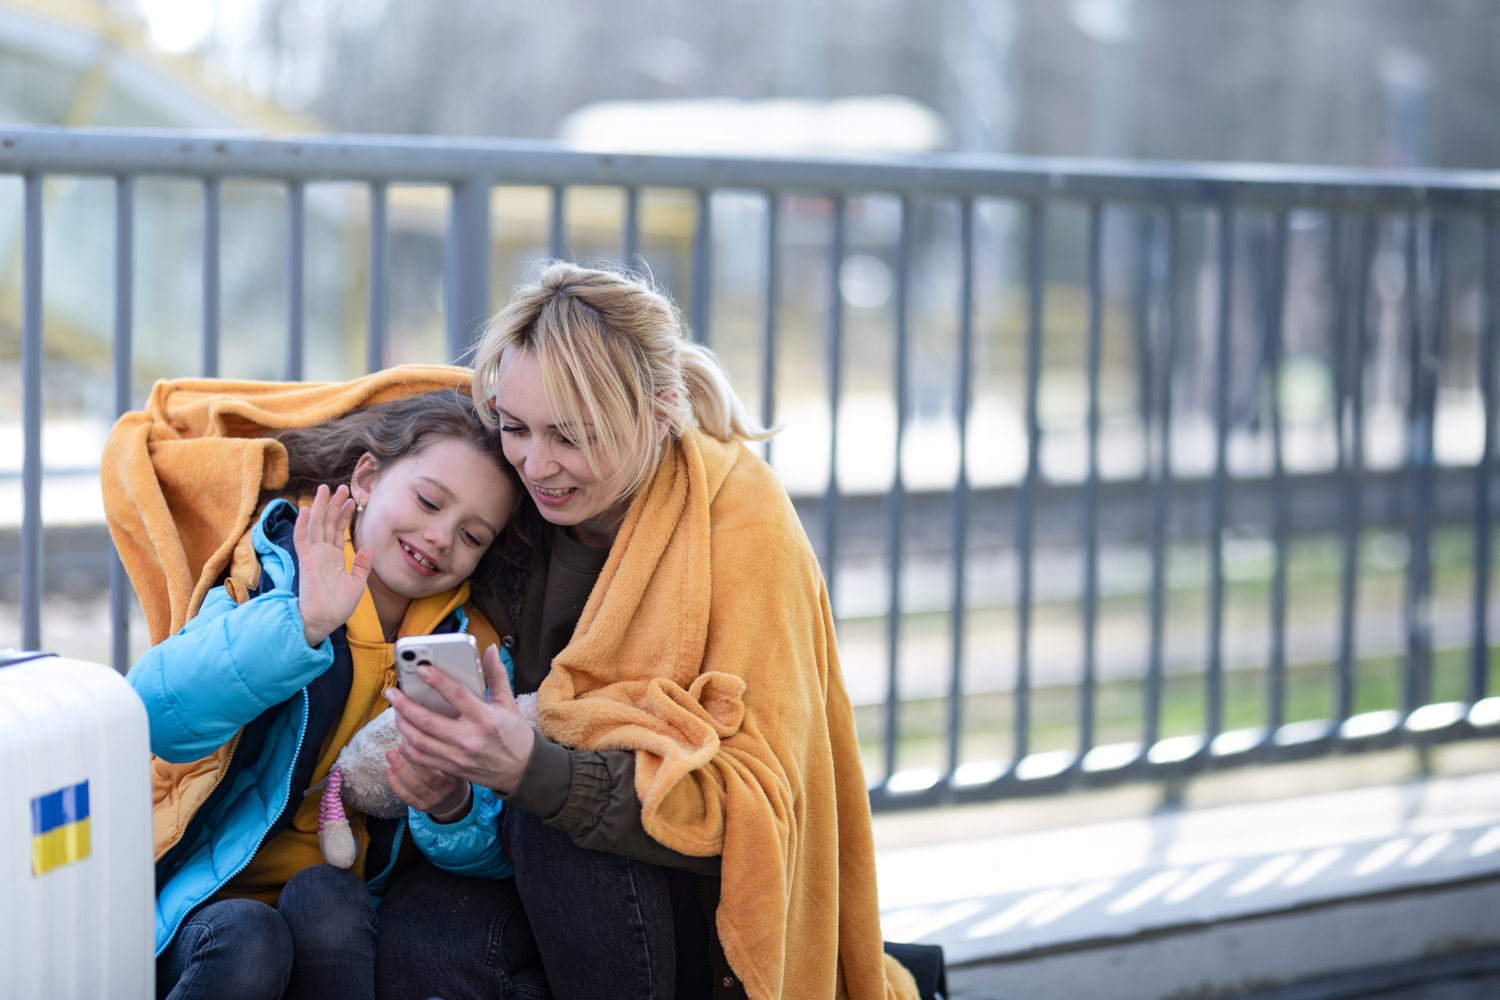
x,y
318,941
443,935
603,926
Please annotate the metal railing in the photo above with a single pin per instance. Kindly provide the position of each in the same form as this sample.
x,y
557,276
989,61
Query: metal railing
x,y
1169,313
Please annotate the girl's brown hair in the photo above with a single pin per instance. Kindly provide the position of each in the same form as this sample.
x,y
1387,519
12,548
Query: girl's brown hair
x,y
328,452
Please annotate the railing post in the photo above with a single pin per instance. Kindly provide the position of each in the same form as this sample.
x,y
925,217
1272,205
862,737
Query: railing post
x,y
1213,671
379,280
296,277
120,594
31,417
1161,482
895,499
1489,329
467,269
702,276
835,348
1089,605
213,189
1036,268
959,501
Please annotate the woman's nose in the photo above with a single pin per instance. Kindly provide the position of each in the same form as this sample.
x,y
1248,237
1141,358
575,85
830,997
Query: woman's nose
x,y
540,462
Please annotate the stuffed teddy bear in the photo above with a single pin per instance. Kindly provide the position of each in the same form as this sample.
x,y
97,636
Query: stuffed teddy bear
x,y
357,780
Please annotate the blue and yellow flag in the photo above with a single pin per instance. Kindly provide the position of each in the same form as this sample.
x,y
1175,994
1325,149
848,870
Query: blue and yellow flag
x,y
59,828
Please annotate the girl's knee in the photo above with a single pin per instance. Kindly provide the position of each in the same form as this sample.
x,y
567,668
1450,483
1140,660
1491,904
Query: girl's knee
x,y
323,902
232,948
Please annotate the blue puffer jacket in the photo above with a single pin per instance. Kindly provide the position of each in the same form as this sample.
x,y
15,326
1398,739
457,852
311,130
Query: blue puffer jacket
x,y
244,672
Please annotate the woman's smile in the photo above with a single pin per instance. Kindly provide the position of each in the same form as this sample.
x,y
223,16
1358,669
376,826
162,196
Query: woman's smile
x,y
552,496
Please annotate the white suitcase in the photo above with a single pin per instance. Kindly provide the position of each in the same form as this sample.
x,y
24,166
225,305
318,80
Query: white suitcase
x,y
76,883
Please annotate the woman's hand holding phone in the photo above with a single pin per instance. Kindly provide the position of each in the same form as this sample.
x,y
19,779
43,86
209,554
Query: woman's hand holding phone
x,y
489,743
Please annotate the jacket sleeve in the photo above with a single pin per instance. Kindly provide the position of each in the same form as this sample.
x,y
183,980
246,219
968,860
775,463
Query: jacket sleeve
x,y
229,663
590,795
469,846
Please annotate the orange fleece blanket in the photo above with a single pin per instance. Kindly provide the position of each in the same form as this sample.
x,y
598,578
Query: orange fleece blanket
x,y
707,647
182,476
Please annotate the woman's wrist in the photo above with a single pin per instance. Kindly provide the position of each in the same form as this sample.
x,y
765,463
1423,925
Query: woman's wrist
x,y
457,812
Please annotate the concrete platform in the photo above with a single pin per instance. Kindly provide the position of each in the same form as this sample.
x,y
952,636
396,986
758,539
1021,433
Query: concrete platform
x,y
1306,875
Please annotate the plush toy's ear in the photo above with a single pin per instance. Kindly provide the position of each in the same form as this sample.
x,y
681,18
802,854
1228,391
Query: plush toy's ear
x,y
362,764
334,836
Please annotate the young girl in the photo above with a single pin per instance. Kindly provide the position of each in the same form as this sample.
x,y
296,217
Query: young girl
x,y
251,702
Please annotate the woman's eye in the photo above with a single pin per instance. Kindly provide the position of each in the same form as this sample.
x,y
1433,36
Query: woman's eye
x,y
511,429
426,503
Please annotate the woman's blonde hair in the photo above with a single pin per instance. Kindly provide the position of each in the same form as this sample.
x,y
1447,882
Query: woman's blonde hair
x,y
616,368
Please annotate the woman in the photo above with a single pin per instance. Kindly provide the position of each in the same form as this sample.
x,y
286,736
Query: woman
x,y
689,818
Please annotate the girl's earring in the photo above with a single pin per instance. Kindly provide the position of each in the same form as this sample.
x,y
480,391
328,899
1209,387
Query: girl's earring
x,y
359,508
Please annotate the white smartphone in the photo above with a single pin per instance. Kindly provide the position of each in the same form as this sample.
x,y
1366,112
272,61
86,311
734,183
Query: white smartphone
x,y
455,654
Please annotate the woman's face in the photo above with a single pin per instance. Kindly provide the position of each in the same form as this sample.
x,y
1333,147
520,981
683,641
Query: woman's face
x,y
553,469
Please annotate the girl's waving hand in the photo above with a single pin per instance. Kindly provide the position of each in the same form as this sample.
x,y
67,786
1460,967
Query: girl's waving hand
x,y
328,593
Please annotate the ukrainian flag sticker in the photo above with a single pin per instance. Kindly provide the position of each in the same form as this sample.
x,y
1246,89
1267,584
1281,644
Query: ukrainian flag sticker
x,y
59,828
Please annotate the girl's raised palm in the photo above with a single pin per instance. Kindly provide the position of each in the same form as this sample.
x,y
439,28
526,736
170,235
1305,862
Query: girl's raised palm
x,y
328,593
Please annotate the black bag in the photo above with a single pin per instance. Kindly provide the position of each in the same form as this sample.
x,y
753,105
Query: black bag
x,y
925,963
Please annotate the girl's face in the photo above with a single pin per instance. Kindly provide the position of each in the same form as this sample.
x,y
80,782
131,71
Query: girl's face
x,y
552,466
428,516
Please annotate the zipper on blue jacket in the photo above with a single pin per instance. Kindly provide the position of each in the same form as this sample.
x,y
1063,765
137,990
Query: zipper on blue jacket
x,y
377,885
284,798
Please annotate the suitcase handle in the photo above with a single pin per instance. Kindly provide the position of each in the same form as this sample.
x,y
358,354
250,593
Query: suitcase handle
x,y
10,657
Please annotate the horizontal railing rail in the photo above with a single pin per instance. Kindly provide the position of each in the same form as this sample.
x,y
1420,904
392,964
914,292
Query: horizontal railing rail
x,y
1089,434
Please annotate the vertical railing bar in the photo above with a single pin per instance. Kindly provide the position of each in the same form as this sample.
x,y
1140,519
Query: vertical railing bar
x,y
31,416
702,277
896,496
1351,364
768,333
1412,309
631,245
1426,286
213,202
1339,285
1088,678
466,269
1141,313
835,357
120,592
1026,499
1213,674
380,287
959,499
557,223
1161,483
1280,506
296,277
1489,329
1437,346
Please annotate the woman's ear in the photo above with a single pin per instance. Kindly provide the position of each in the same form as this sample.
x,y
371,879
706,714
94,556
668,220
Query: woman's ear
x,y
362,481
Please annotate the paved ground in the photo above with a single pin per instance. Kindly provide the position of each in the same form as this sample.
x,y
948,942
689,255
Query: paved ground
x,y
1280,861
